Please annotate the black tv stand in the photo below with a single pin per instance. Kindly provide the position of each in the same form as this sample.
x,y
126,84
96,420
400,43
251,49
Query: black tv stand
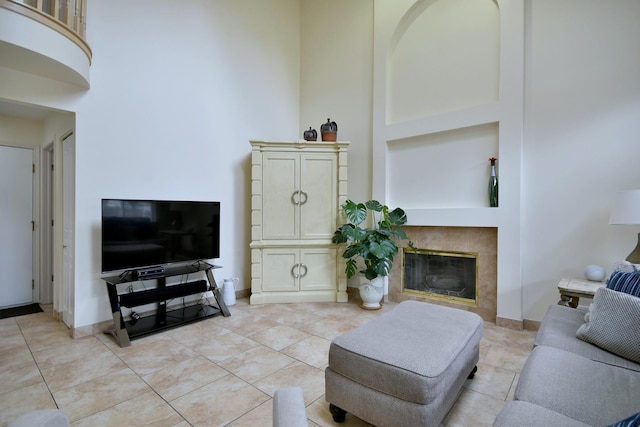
x,y
164,318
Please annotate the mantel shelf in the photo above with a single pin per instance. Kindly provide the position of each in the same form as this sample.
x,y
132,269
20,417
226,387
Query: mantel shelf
x,y
454,217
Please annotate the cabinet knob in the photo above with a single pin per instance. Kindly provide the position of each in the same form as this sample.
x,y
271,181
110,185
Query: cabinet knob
x,y
306,196
305,270
296,198
295,270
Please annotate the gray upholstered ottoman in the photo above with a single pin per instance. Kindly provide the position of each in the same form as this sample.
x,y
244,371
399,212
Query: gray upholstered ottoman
x,y
405,368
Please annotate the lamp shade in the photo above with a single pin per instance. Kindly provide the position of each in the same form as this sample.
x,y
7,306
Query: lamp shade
x,y
626,208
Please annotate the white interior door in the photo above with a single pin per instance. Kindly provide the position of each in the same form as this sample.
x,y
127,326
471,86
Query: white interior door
x,y
16,232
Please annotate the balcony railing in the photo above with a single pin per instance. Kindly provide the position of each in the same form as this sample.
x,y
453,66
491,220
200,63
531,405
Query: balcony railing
x,y
68,17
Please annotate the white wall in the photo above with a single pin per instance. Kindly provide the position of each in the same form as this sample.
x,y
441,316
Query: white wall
x,y
580,145
336,79
176,94
582,139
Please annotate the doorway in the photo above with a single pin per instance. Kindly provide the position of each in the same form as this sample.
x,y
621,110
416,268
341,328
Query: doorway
x,y
16,226
57,205
57,219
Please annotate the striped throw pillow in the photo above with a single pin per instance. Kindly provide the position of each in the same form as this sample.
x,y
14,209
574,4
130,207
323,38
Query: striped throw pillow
x,y
628,283
632,421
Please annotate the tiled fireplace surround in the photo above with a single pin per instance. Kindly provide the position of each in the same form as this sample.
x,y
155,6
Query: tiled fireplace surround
x,y
483,240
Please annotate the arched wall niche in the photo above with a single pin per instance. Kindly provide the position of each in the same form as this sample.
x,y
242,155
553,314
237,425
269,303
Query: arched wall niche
x,y
433,132
443,56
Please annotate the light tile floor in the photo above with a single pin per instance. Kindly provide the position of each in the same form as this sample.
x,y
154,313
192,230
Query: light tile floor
x,y
217,372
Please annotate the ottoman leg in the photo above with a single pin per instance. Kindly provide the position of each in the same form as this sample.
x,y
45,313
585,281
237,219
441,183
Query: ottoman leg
x,y
473,373
338,414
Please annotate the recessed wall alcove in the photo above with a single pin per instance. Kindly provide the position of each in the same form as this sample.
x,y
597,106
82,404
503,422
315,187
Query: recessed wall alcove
x,y
448,95
448,169
445,56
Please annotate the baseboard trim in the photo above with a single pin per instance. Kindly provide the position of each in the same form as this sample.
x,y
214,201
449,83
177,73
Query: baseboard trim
x,y
89,330
503,322
518,325
243,293
531,325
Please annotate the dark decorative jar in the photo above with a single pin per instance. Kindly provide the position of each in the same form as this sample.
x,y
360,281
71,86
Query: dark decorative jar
x,y
493,184
329,131
310,135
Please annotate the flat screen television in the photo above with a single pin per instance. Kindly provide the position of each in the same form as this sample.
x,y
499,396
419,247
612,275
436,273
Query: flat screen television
x,y
144,233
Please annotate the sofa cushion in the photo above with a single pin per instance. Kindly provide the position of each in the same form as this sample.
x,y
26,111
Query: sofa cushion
x,y
591,392
625,282
614,324
518,413
558,329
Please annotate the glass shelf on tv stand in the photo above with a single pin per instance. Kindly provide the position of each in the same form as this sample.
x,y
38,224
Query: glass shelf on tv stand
x,y
169,271
164,318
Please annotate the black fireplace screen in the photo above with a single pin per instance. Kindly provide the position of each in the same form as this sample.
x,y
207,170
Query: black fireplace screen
x,y
444,275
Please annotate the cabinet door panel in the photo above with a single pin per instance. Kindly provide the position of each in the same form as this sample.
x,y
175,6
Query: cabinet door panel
x,y
318,179
276,269
321,269
280,180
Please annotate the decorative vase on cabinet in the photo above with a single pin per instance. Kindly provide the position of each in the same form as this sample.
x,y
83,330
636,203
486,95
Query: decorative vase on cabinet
x,y
296,194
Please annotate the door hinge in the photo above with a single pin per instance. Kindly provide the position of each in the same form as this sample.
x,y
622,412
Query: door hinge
x,y
33,168
52,277
52,223
33,226
51,167
33,284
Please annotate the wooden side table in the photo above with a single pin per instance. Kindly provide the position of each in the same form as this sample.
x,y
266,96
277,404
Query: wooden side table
x,y
572,289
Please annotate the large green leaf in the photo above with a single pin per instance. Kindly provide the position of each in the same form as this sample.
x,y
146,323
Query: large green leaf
x,y
352,268
384,249
358,249
383,267
370,274
397,217
356,212
374,205
341,235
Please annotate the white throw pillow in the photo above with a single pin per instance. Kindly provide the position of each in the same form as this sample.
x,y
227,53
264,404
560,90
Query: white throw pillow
x,y
614,324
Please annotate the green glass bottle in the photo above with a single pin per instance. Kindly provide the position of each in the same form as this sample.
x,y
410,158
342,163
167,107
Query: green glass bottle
x,y
493,184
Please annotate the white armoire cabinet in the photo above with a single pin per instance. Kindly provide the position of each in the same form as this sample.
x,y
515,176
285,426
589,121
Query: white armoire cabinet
x,y
297,189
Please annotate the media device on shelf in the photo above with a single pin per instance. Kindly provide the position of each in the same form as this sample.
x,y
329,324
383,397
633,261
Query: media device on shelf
x,y
142,236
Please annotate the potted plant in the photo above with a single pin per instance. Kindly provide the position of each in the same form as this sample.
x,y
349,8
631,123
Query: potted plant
x,y
375,246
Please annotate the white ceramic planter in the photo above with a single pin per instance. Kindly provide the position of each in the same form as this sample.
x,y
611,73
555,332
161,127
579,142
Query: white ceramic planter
x,y
371,294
